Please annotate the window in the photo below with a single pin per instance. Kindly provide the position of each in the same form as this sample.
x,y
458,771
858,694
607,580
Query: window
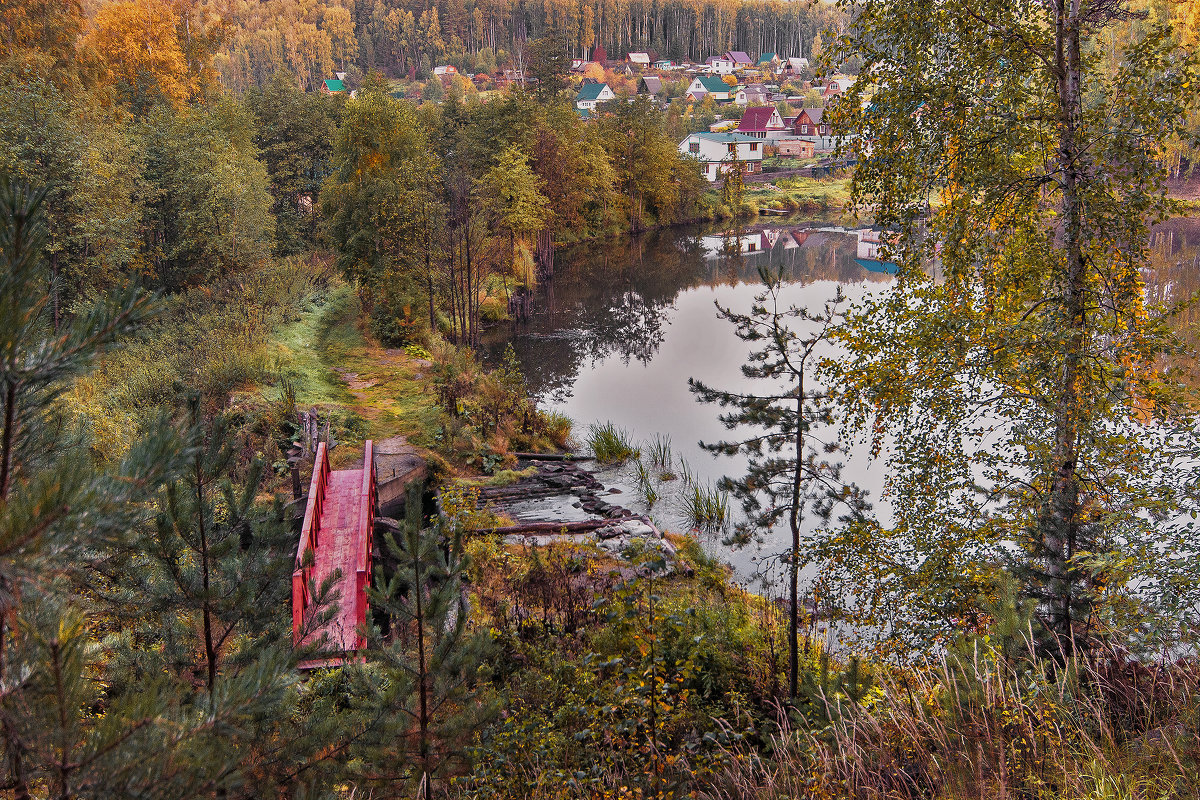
x,y
754,147
804,129
732,147
694,147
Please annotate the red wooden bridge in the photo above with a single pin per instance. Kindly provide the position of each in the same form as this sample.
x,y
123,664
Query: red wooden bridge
x,y
338,524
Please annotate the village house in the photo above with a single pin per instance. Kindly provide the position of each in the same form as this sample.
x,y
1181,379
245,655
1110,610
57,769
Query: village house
x,y
640,60
795,66
650,84
811,125
716,151
810,122
719,65
837,84
708,85
751,94
445,70
333,86
664,64
769,61
740,60
763,122
592,94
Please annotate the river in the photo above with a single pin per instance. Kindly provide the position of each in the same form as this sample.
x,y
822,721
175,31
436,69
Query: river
x,y
624,323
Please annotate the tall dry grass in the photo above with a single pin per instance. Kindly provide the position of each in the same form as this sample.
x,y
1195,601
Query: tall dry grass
x,y
983,726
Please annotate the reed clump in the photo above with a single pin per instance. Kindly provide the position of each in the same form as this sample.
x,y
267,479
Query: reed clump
x,y
611,445
706,507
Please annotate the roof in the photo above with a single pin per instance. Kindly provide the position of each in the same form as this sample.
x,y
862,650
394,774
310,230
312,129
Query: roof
x,y
766,58
590,91
712,83
652,83
739,57
725,138
814,115
756,119
335,85
639,58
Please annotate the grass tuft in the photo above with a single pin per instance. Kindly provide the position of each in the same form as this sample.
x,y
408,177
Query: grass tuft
x,y
610,444
706,507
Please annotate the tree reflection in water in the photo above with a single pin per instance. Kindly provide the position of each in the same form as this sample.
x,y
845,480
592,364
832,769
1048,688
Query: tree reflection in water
x,y
615,298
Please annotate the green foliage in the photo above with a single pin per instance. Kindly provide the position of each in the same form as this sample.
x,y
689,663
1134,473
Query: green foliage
x,y
789,472
1015,363
426,667
211,340
609,444
295,133
705,507
212,211
379,201
662,460
656,181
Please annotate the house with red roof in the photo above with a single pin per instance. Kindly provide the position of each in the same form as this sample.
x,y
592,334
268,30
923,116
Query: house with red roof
x,y
763,122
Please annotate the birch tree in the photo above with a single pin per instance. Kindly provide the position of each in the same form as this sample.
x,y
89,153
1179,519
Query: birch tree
x,y
1024,387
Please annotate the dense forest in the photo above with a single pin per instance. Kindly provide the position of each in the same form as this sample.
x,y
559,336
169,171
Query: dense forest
x,y
313,39
201,254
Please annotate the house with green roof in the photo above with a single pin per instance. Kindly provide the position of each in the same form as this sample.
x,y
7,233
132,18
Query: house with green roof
x,y
709,85
333,86
593,94
769,61
716,152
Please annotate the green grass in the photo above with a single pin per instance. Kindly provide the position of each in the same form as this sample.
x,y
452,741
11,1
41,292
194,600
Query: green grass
x,y
297,353
334,366
610,445
706,508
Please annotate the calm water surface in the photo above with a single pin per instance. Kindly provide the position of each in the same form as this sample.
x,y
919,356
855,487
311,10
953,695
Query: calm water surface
x,y
623,324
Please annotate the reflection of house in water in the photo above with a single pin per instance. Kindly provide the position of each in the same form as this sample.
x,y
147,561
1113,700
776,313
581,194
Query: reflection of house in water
x,y
765,240
732,244
867,255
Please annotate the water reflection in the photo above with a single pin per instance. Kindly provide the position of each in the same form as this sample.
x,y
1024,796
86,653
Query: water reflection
x,y
616,298
626,322
622,326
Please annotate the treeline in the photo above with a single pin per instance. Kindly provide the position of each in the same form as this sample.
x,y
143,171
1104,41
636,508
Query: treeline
x,y
171,199
438,210
313,39
437,213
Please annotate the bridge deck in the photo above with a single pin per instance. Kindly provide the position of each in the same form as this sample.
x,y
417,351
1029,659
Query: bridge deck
x,y
337,528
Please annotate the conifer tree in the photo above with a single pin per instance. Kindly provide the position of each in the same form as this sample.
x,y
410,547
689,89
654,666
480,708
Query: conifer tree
x,y
789,471
425,669
54,509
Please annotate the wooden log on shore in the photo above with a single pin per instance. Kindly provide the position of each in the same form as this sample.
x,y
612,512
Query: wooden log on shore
x,y
582,526
551,457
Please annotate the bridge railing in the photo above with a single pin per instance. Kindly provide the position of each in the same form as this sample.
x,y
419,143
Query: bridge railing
x,y
310,536
366,519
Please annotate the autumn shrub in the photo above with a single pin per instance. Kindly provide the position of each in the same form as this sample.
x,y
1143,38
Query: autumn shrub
x,y
644,698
